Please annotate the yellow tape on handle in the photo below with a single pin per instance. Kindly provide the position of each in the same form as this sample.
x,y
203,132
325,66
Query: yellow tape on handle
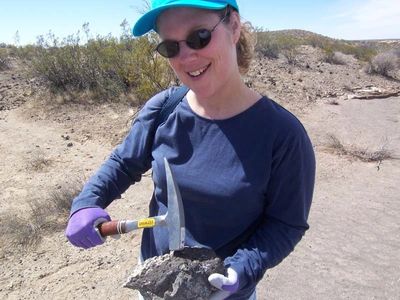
x,y
146,223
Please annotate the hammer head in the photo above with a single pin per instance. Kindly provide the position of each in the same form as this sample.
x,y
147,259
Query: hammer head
x,y
175,218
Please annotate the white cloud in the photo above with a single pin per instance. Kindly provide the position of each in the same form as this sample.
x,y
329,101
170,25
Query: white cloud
x,y
367,19
375,12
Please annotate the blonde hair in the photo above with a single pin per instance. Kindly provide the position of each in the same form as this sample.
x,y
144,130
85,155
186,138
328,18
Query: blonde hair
x,y
245,47
246,43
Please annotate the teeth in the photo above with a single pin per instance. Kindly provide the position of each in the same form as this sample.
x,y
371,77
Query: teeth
x,y
198,72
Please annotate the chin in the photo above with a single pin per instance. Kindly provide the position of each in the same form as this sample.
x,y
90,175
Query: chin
x,y
202,91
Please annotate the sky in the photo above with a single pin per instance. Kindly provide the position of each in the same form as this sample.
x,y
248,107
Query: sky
x,y
351,19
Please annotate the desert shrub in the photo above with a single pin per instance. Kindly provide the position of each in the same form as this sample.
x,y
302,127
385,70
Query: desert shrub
x,y
363,154
371,156
68,65
271,44
316,41
25,53
145,70
266,45
383,64
334,57
362,52
38,161
290,55
106,66
288,45
4,60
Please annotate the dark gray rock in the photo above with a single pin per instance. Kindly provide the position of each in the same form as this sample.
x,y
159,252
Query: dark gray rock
x,y
179,275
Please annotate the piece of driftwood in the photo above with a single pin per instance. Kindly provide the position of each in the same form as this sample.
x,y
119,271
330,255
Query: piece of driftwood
x,y
372,92
374,96
179,275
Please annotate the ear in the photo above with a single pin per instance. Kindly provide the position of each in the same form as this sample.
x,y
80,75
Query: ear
x,y
236,26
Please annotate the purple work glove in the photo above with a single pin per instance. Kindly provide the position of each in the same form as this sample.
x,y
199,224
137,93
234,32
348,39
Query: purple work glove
x,y
227,285
82,227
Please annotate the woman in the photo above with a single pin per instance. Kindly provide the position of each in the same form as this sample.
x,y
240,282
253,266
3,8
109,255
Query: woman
x,y
244,165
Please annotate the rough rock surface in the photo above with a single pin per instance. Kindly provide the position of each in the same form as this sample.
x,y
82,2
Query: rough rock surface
x,y
178,275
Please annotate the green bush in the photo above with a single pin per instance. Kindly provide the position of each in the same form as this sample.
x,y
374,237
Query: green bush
x,y
271,44
266,45
361,52
145,70
71,66
106,66
26,53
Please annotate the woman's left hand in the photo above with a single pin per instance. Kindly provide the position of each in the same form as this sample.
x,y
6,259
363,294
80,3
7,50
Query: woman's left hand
x,y
227,285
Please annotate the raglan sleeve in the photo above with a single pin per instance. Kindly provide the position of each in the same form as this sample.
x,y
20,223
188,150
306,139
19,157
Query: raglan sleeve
x,y
127,162
287,203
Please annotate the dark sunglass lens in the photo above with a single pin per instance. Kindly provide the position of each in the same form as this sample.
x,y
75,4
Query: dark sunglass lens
x,y
168,49
199,39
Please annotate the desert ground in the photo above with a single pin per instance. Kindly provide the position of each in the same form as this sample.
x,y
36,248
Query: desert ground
x,y
351,251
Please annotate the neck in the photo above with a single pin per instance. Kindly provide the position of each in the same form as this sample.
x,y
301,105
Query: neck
x,y
227,102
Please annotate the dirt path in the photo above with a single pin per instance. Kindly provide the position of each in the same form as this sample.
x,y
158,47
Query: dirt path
x,y
350,252
352,248
56,269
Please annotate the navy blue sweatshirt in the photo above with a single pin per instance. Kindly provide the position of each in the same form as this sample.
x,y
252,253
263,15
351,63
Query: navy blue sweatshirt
x,y
246,182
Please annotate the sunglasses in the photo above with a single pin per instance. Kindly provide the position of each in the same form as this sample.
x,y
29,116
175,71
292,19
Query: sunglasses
x,y
197,39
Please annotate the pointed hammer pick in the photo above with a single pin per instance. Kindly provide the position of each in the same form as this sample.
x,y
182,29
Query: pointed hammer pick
x,y
174,219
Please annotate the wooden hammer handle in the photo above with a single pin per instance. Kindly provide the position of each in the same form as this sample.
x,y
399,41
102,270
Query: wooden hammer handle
x,y
112,228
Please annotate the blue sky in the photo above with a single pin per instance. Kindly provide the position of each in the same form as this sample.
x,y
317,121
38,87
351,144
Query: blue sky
x,y
351,19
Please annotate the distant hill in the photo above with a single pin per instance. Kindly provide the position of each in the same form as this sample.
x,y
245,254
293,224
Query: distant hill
x,y
379,45
300,33
363,49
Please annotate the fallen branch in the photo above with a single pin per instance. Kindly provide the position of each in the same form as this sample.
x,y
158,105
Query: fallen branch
x,y
374,96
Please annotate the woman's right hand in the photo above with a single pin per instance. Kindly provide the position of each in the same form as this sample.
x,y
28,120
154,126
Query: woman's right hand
x,y
82,227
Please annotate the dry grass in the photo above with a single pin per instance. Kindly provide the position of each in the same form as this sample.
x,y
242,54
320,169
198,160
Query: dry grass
x,y
38,161
61,198
17,232
45,217
362,154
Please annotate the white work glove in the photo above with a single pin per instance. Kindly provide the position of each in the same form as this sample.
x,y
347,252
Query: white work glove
x,y
227,285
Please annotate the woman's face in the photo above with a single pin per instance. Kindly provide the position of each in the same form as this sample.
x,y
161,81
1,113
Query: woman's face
x,y
211,68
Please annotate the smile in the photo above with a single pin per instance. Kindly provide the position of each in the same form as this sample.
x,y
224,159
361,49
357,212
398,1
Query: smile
x,y
198,72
